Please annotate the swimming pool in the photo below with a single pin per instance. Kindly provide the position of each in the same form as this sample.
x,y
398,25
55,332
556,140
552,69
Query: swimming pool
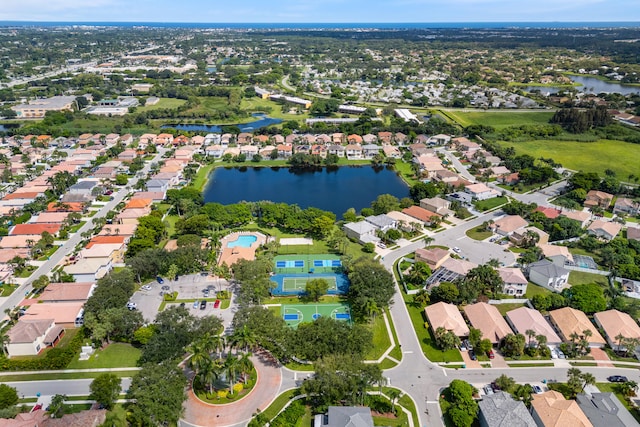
x,y
244,241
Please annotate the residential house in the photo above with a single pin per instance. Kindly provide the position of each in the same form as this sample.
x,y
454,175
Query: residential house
x,y
509,179
597,198
405,222
370,150
506,225
439,139
113,251
400,138
463,144
244,138
521,234
569,321
626,206
514,281
382,222
363,231
604,229
449,177
559,255
35,229
353,151
67,292
433,257
548,275
419,149
427,217
524,318
164,139
344,416
29,337
633,233
391,152
385,137
480,191
89,270
284,150
447,316
614,324
549,212
64,314
488,320
355,139
157,186
581,216
215,151
84,187
605,410
450,270
501,410
249,150
437,205
128,155
551,409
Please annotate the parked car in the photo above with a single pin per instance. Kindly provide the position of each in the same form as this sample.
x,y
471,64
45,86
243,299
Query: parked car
x,y
203,305
491,354
146,288
160,280
617,379
205,293
196,303
467,344
456,250
132,305
182,304
537,389
488,389
472,355
495,386
216,304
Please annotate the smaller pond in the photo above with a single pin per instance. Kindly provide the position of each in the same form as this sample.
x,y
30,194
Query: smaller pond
x,y
8,127
590,85
262,121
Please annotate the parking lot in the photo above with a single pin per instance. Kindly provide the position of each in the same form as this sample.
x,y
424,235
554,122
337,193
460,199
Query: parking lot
x,y
149,297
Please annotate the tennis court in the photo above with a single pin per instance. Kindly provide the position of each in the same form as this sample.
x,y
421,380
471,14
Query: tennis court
x,y
294,314
307,263
299,283
294,284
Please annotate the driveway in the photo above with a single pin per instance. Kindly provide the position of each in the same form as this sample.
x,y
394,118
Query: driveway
x,y
470,364
199,413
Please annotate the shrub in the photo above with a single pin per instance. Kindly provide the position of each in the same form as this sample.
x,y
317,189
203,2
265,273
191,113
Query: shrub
x,y
222,394
171,296
289,416
237,388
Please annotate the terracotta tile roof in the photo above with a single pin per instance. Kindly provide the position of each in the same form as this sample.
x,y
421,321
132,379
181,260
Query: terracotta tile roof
x,y
35,228
555,411
420,213
447,316
488,319
569,320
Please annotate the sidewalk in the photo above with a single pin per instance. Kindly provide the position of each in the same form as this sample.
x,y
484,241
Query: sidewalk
x,y
68,371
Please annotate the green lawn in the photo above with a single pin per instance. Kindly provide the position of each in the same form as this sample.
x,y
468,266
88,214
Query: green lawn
x,y
279,403
163,103
533,289
503,308
485,205
581,278
479,233
622,157
380,339
499,119
273,109
116,355
431,351
406,172
62,376
200,180
7,289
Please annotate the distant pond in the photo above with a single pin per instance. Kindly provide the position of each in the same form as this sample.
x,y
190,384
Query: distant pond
x,y
332,189
262,121
590,85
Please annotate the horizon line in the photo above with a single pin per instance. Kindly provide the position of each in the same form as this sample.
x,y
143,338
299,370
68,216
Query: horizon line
x,y
325,22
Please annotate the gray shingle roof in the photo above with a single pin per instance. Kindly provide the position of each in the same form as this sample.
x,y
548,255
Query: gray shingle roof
x,y
500,410
605,410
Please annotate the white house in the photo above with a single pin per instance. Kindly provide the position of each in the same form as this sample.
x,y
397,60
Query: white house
x,y
30,336
363,231
549,275
480,191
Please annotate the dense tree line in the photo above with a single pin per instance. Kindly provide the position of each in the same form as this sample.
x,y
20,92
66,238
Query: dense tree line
x,y
579,121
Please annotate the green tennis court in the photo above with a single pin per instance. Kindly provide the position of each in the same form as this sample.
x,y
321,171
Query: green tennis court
x,y
294,314
298,283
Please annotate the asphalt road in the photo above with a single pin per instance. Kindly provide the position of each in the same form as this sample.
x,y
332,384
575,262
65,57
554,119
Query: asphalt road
x,y
53,387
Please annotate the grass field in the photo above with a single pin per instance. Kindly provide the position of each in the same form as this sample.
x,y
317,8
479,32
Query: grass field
x,y
479,233
621,157
116,355
499,119
485,205
533,289
581,278
380,339
503,308
163,103
273,109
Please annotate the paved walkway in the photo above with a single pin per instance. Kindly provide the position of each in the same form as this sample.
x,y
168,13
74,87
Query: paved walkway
x,y
601,357
198,413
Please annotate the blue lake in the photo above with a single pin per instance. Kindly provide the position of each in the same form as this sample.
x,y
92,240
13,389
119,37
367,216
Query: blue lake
x,y
262,121
591,85
335,190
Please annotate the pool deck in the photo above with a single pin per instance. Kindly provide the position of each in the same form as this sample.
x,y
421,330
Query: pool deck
x,y
230,256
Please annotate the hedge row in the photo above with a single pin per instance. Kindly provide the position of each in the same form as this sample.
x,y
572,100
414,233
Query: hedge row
x,y
55,358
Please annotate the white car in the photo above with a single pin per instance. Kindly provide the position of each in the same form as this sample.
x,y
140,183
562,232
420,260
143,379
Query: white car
x,y
146,288
456,250
132,305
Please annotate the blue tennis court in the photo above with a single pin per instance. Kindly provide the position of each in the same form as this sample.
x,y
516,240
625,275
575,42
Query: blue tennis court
x,y
290,264
291,316
327,263
342,316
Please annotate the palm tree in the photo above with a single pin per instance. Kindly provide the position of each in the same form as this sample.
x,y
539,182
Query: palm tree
x,y
530,334
428,240
371,307
629,388
422,298
587,379
210,372
619,338
199,356
4,341
231,367
243,338
245,366
393,394
493,262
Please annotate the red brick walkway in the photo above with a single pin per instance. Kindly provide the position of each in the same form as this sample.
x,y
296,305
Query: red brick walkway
x,y
199,413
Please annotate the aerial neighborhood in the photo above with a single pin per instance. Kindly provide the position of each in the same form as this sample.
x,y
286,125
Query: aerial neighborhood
x,y
230,227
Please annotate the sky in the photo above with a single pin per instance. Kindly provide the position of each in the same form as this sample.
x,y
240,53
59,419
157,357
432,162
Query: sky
x,y
304,11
